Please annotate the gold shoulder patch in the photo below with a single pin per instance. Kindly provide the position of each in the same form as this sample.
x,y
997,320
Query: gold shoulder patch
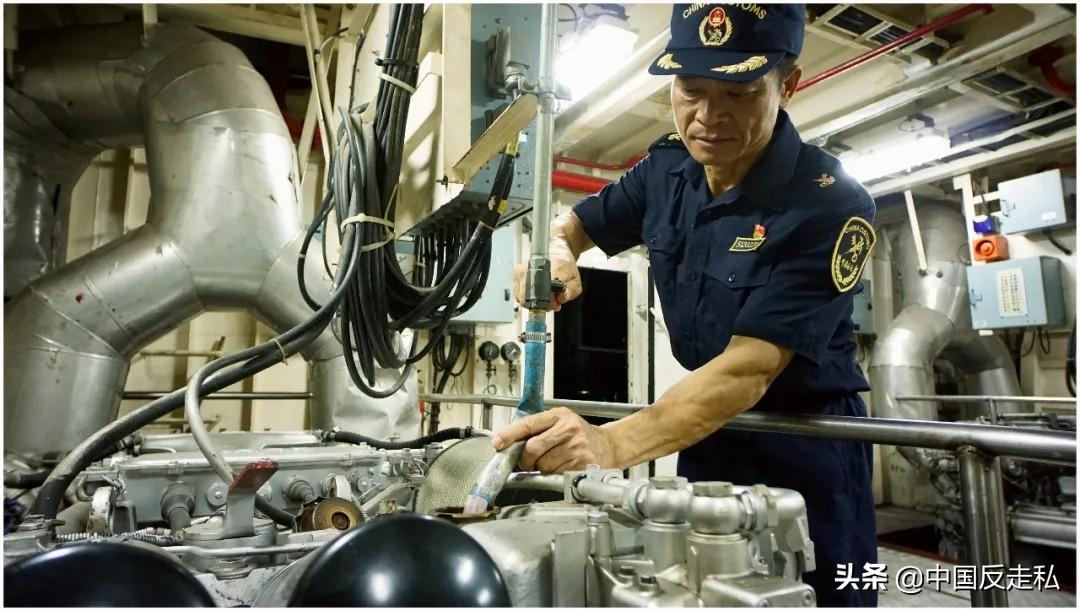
x,y
851,253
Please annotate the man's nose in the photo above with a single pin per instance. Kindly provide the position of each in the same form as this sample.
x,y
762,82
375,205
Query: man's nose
x,y
713,113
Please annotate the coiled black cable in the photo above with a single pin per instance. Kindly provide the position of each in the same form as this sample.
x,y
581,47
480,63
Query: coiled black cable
x,y
381,302
411,444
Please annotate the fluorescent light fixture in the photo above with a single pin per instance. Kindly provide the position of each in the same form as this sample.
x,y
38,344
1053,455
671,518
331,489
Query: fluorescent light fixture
x,y
588,57
896,157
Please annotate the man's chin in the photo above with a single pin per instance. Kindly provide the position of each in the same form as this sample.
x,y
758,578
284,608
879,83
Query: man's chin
x,y
711,155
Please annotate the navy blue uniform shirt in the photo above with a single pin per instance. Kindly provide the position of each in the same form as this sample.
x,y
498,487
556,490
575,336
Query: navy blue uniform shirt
x,y
777,257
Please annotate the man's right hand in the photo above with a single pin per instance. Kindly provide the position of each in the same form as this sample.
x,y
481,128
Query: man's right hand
x,y
563,267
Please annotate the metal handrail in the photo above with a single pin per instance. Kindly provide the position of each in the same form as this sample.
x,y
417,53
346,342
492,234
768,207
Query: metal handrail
x,y
995,398
995,440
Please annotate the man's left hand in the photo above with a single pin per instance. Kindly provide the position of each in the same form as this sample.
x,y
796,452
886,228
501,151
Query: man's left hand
x,y
558,441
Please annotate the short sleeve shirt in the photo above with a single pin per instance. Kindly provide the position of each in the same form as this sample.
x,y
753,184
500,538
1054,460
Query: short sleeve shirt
x,y
778,257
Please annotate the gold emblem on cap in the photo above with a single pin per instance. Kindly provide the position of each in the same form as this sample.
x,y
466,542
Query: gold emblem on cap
x,y
752,63
825,180
674,137
668,62
715,28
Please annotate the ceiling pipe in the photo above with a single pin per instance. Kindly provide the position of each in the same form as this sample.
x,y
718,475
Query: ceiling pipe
x,y
610,167
931,27
577,182
1044,59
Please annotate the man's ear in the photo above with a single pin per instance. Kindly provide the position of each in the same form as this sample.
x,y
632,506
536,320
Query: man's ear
x,y
789,84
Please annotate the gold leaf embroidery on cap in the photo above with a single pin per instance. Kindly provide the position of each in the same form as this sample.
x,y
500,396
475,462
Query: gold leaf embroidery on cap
x,y
752,63
668,62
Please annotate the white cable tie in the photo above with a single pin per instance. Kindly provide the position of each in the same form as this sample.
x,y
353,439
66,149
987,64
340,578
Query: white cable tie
x,y
400,83
282,349
364,218
373,246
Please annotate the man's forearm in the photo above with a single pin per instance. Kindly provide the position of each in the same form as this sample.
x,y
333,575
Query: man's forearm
x,y
698,405
568,236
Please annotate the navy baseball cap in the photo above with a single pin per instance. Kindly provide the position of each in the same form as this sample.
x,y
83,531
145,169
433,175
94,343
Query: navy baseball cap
x,y
731,42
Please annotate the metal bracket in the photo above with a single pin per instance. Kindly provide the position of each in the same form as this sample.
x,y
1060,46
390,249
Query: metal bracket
x,y
240,504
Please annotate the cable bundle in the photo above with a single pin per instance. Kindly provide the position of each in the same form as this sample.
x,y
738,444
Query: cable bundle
x,y
380,301
449,350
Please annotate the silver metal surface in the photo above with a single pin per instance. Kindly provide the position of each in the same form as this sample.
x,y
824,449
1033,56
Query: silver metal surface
x,y
1043,528
998,398
144,477
222,396
453,473
996,440
978,505
219,157
545,128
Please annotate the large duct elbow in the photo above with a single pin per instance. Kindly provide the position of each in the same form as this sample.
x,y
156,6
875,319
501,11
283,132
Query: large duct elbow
x,y
935,320
222,229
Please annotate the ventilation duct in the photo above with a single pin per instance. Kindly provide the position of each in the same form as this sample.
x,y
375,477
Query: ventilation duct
x,y
934,321
222,232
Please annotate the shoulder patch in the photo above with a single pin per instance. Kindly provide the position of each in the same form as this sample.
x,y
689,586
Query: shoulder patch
x,y
668,141
851,252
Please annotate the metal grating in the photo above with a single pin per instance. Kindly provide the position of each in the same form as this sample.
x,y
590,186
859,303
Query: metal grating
x,y
890,34
855,21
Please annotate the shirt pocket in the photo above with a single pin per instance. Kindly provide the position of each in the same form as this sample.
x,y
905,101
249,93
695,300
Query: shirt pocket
x,y
737,270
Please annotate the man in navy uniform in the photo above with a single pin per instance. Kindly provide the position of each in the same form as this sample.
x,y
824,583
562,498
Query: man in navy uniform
x,y
756,242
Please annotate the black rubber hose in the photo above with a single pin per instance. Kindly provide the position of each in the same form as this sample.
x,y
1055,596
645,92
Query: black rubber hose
x,y
25,480
412,444
1070,362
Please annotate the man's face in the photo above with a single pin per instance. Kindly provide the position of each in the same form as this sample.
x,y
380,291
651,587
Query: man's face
x,y
720,121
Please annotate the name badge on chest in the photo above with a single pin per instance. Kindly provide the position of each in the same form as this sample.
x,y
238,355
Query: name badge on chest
x,y
751,243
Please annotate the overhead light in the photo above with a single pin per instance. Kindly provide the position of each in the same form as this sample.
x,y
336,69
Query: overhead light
x,y
896,157
588,57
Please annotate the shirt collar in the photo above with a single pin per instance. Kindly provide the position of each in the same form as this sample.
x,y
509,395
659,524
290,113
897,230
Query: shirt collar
x,y
772,171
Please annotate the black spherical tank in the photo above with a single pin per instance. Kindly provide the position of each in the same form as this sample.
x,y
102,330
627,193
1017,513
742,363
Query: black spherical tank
x,y
102,575
406,560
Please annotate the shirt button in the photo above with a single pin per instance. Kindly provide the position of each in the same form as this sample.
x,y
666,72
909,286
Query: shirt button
x,y
693,276
731,277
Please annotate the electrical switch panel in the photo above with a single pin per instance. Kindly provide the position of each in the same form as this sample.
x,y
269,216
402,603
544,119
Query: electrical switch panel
x,y
1017,293
1035,202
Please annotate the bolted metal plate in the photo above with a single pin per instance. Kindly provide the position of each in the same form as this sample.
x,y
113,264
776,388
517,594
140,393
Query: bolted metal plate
x,y
453,473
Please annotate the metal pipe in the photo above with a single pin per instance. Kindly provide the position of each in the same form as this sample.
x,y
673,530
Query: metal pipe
x,y
916,233
1050,446
239,552
538,289
933,26
149,395
980,527
1043,529
535,481
996,398
577,182
609,167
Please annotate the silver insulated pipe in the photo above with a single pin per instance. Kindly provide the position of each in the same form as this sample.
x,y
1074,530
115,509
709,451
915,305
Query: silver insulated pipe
x,y
222,232
935,321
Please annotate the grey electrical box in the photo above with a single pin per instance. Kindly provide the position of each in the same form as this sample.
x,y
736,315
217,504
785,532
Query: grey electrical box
x,y
862,317
1017,293
496,304
1035,202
